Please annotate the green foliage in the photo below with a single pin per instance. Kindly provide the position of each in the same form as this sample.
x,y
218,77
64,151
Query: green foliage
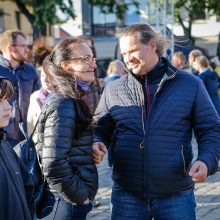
x,y
114,6
44,11
195,8
2,13
214,7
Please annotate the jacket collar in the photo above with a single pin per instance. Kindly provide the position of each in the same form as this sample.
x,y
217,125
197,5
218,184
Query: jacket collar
x,y
2,135
171,71
4,62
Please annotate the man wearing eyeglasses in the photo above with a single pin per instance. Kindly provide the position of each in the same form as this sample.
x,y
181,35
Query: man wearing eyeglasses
x,y
23,76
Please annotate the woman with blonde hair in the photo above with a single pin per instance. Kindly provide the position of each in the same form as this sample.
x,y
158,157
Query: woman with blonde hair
x,y
115,70
209,78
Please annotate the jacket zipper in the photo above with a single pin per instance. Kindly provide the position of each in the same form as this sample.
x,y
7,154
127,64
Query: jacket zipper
x,y
141,145
142,117
159,87
183,158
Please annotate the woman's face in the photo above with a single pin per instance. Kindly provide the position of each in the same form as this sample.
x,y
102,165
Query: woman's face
x,y
45,81
196,65
82,63
5,112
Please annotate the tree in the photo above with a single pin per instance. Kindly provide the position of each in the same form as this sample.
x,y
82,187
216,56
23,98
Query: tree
x,y
186,12
194,9
214,7
42,12
114,6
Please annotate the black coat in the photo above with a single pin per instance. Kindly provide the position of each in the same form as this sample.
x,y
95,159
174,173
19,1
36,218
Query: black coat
x,y
66,160
16,185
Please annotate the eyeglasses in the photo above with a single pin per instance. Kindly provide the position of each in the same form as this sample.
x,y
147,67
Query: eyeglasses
x,y
19,45
88,59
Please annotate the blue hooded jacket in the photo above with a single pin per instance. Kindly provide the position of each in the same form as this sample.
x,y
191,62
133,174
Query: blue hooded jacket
x,y
25,81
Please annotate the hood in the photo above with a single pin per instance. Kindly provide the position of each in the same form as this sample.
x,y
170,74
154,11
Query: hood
x,y
4,62
210,74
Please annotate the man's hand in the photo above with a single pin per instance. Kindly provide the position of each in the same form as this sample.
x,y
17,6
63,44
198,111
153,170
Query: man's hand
x,y
198,172
98,151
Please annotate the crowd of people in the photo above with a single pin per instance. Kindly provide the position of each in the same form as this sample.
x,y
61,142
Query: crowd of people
x,y
144,114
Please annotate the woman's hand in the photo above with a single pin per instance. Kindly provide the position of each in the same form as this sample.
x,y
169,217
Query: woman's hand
x,y
86,202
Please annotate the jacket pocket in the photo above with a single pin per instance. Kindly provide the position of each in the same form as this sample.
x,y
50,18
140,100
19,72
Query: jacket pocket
x,y
187,156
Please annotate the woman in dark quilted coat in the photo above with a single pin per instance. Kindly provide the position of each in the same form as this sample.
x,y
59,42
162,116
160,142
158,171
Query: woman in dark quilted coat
x,y
65,135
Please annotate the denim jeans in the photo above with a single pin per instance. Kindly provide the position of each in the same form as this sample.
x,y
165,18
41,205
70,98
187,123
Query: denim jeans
x,y
54,207
126,206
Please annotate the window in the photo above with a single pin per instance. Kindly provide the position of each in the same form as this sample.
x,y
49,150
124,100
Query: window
x,y
18,19
1,20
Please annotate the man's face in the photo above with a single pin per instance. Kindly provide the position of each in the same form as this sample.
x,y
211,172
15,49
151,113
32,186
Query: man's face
x,y
19,49
138,57
177,62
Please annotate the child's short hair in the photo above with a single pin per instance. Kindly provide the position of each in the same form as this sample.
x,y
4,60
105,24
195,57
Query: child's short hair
x,y
6,88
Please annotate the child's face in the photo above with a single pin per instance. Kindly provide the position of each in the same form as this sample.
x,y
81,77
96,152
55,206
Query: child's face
x,y
5,111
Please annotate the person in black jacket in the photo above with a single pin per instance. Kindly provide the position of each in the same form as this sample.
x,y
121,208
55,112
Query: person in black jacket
x,y
65,136
151,111
16,185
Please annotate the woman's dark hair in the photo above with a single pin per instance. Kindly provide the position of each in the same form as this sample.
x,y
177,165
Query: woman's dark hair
x,y
85,38
40,50
63,82
6,89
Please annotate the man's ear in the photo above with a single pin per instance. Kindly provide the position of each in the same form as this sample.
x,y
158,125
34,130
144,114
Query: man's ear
x,y
10,48
152,44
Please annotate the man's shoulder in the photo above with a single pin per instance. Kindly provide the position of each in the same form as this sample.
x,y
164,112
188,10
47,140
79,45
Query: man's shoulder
x,y
118,81
28,67
26,71
183,74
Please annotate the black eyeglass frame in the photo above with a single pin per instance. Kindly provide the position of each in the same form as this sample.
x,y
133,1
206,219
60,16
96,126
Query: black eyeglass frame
x,y
89,59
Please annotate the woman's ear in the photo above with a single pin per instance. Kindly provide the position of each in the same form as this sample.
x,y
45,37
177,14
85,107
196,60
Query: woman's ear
x,y
65,65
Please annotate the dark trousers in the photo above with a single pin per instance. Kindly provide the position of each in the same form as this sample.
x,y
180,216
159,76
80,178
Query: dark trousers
x,y
54,207
126,206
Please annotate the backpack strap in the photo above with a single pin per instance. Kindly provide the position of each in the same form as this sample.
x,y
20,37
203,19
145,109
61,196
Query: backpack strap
x,y
23,128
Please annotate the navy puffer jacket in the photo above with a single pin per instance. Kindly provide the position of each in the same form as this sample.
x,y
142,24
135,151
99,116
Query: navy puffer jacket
x,y
153,153
25,81
66,160
210,80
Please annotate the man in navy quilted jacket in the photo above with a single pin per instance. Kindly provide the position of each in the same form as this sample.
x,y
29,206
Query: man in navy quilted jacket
x,y
152,111
23,77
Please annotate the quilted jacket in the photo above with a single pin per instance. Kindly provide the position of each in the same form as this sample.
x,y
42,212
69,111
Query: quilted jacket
x,y
66,159
153,152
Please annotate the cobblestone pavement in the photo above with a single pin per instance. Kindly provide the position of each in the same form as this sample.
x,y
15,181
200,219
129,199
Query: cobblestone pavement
x,y
207,196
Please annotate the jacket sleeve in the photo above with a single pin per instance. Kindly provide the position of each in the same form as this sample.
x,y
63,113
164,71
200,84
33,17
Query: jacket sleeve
x,y
58,135
103,122
37,83
29,187
207,130
30,115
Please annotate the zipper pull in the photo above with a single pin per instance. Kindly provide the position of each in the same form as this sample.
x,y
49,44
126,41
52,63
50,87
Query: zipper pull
x,y
141,145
